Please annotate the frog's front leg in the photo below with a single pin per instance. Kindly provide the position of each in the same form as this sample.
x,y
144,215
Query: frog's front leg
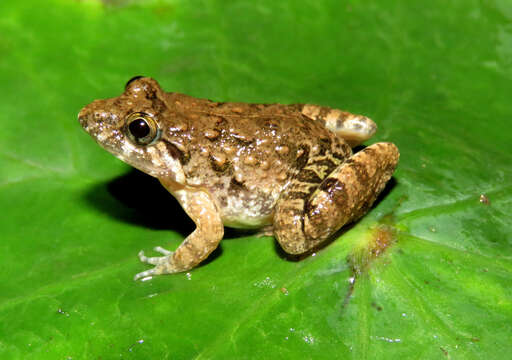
x,y
304,219
201,208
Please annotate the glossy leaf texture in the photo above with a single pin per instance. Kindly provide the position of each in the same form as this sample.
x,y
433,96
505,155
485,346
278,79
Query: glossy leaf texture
x,y
427,274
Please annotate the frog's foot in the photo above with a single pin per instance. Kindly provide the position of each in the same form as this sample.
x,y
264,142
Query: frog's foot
x,y
265,231
158,261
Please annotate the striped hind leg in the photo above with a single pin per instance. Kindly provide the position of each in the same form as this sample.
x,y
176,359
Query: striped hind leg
x,y
303,222
354,129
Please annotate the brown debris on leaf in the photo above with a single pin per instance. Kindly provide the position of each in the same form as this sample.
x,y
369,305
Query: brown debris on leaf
x,y
373,244
484,199
381,237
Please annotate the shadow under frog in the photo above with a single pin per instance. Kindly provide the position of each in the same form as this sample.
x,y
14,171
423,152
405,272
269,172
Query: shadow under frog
x,y
141,200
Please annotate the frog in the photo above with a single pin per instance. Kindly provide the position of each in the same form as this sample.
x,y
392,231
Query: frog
x,y
288,170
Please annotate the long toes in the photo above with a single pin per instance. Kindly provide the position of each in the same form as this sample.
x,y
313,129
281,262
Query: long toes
x,y
151,260
144,274
161,250
142,257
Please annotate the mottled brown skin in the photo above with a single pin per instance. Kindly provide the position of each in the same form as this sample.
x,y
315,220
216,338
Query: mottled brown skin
x,y
286,168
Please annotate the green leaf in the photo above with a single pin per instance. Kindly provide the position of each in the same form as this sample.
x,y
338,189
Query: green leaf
x,y
425,274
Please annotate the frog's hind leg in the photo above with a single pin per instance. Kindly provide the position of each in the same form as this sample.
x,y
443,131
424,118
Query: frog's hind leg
x,y
303,220
354,129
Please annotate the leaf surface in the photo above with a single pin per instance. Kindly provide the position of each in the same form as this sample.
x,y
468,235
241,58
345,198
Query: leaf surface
x,y
425,274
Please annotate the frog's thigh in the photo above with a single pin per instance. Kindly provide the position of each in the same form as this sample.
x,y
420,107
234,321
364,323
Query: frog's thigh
x,y
354,129
346,194
199,244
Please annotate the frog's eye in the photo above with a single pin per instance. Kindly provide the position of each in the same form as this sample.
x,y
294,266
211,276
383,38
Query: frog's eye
x,y
141,128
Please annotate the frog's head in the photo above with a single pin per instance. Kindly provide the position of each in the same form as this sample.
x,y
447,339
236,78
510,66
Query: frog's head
x,y
130,127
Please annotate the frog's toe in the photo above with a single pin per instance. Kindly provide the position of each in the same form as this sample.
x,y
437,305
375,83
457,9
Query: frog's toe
x,y
156,260
163,251
145,274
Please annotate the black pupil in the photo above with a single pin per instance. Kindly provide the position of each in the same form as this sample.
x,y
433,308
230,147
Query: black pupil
x,y
139,128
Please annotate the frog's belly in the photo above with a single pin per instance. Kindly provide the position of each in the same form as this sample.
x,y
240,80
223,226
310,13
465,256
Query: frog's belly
x,y
248,210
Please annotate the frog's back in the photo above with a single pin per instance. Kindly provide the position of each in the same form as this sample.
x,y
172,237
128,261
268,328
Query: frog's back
x,y
246,154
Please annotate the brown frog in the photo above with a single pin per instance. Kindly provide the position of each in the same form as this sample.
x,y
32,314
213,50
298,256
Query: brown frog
x,y
288,169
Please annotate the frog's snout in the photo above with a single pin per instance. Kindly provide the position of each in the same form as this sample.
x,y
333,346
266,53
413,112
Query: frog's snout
x,y
82,118
93,115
